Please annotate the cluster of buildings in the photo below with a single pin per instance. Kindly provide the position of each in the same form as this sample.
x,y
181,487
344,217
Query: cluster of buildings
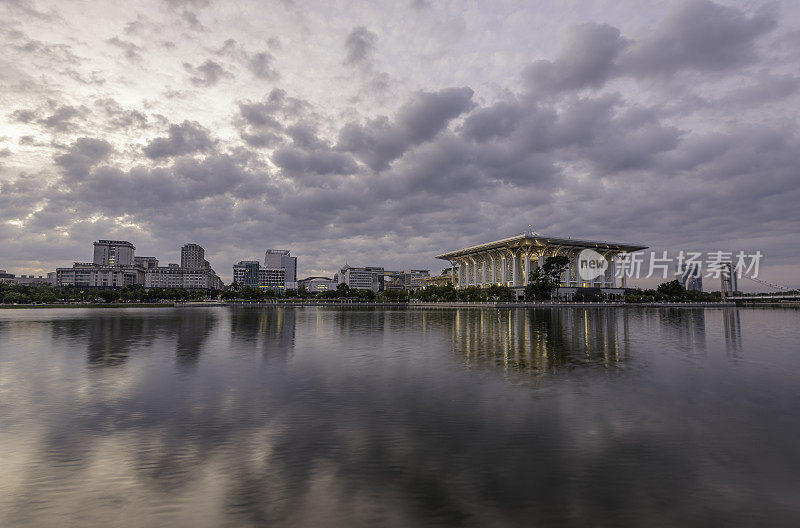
x,y
506,262
28,280
373,278
114,265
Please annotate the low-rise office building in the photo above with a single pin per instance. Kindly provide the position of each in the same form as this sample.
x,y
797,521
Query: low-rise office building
x,y
368,278
90,275
252,274
33,280
317,284
6,277
174,276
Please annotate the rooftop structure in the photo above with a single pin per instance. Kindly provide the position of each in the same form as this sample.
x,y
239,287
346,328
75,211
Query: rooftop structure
x,y
113,253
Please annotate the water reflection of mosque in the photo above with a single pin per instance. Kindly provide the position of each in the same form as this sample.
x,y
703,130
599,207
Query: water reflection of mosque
x,y
542,340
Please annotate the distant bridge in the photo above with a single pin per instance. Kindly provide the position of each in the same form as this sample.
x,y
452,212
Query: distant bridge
x,y
765,297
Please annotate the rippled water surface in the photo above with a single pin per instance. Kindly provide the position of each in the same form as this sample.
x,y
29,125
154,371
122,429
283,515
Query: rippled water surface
x,y
316,416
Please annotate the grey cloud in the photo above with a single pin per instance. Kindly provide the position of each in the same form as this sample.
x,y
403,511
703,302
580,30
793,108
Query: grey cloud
x,y
298,162
63,118
697,35
132,51
700,35
23,116
492,122
133,27
261,124
118,117
586,59
5,152
207,74
190,17
187,138
359,45
260,65
379,141
82,155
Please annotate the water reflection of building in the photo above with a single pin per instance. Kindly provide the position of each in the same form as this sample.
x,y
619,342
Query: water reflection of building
x,y
270,329
689,325
733,331
193,326
539,341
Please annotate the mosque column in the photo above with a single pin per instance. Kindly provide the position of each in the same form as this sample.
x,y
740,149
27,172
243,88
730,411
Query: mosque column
x,y
504,270
527,271
485,270
514,269
453,273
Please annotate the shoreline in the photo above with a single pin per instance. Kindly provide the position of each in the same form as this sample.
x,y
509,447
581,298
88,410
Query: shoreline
x,y
414,305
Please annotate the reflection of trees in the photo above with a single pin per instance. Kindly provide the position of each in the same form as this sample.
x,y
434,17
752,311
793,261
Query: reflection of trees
x,y
270,329
192,326
540,340
110,337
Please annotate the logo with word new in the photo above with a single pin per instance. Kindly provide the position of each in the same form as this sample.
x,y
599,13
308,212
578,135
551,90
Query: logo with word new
x,y
591,264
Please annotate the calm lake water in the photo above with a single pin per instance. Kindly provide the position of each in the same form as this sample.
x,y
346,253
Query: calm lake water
x,y
316,416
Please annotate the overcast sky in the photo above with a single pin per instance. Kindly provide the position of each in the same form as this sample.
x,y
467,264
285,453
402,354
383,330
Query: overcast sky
x,y
384,133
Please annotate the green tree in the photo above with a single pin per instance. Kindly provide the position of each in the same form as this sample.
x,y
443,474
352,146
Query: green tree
x,y
545,279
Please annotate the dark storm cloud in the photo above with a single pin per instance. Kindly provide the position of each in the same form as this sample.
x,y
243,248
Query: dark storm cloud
x,y
82,155
207,74
360,45
380,141
186,138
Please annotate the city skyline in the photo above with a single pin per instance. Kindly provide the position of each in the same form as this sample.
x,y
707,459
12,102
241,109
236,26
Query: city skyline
x,y
384,134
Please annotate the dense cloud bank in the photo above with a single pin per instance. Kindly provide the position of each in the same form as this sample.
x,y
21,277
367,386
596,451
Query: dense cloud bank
x,y
681,134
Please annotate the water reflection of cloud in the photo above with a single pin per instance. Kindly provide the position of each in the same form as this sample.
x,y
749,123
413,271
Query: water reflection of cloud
x,y
411,441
